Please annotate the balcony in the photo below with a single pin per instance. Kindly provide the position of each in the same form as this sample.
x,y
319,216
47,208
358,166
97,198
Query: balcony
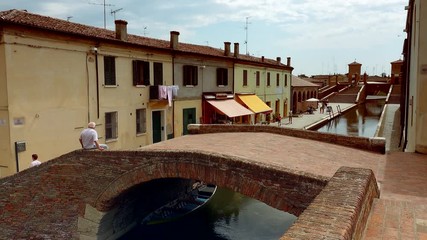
x,y
162,92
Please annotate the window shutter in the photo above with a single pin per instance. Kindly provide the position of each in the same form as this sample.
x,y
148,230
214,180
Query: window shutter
x,y
135,72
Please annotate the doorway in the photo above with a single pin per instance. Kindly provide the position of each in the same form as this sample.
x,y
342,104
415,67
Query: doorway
x,y
188,117
158,128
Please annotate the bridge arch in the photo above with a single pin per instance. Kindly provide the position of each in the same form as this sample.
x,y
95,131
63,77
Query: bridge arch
x,y
281,188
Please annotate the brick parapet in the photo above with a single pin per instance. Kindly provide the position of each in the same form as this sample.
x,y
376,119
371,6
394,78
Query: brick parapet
x,y
51,200
374,144
341,210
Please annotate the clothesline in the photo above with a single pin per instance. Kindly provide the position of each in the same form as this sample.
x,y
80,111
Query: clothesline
x,y
168,92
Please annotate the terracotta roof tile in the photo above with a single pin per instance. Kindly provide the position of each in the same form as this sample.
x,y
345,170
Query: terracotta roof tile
x,y
25,18
299,82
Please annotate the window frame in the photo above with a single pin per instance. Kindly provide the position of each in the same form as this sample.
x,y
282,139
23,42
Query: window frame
x,y
245,78
141,121
190,75
111,125
221,77
268,79
141,73
110,71
277,79
257,78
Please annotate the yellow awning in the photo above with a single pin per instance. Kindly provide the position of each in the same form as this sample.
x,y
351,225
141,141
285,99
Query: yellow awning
x,y
254,103
230,107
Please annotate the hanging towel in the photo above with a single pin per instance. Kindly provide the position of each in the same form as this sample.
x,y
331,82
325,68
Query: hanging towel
x,y
175,89
169,90
163,92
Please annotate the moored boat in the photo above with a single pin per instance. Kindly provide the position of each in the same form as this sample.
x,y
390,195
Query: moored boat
x,y
190,202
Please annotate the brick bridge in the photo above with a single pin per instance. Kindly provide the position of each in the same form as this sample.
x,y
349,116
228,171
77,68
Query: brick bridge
x,y
91,194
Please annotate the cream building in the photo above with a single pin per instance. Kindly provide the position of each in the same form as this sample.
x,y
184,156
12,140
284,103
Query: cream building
x,y
415,77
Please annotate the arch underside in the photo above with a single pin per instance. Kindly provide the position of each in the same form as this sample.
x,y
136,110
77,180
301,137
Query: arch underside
x,y
281,188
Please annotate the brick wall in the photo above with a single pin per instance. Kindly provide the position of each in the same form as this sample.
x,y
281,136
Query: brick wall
x,y
341,210
370,144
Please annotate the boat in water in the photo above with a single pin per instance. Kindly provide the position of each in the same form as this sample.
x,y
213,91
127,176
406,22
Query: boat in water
x,y
196,198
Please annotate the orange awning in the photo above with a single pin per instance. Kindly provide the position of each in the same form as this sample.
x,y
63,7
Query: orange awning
x,y
254,103
230,107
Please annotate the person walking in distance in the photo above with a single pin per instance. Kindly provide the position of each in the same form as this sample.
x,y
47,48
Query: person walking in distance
x,y
89,138
35,161
290,117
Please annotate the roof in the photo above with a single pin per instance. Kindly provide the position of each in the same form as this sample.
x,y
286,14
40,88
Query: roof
x,y
397,61
24,18
354,63
299,82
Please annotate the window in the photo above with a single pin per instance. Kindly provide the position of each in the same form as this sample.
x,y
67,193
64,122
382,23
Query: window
x,y
221,76
109,70
158,73
286,80
268,79
190,75
141,120
257,78
111,125
277,79
245,77
141,73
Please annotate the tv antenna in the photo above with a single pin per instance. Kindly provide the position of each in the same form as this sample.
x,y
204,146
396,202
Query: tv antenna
x,y
113,12
145,31
105,16
69,17
246,29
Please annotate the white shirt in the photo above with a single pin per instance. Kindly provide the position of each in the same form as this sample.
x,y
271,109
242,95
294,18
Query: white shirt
x,y
35,163
88,137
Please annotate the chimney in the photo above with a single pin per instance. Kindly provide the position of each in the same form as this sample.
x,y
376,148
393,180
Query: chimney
x,y
227,48
288,63
262,58
278,59
174,40
121,30
236,50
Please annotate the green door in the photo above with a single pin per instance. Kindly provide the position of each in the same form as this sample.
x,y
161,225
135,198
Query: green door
x,y
189,117
157,126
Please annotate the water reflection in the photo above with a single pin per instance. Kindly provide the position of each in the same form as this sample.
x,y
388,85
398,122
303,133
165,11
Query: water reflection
x,y
360,121
229,215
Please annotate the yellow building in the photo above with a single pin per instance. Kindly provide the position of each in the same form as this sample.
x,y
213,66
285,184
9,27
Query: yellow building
x,y
56,76
415,78
270,82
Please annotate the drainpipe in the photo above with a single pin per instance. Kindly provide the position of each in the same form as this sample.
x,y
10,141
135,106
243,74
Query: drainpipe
x,y
97,82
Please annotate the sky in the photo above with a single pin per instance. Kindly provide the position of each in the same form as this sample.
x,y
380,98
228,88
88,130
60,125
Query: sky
x,y
321,37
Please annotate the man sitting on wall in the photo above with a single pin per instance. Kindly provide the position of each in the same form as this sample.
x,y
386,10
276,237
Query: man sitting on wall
x,y
89,138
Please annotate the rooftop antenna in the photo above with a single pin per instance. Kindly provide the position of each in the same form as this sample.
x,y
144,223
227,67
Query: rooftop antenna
x,y
69,17
145,30
105,16
246,29
113,12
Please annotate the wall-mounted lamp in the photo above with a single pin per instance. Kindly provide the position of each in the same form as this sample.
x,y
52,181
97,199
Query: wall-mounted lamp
x,y
93,49
203,67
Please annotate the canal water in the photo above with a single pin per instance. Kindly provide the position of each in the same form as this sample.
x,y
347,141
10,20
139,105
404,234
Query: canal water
x,y
360,121
227,216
